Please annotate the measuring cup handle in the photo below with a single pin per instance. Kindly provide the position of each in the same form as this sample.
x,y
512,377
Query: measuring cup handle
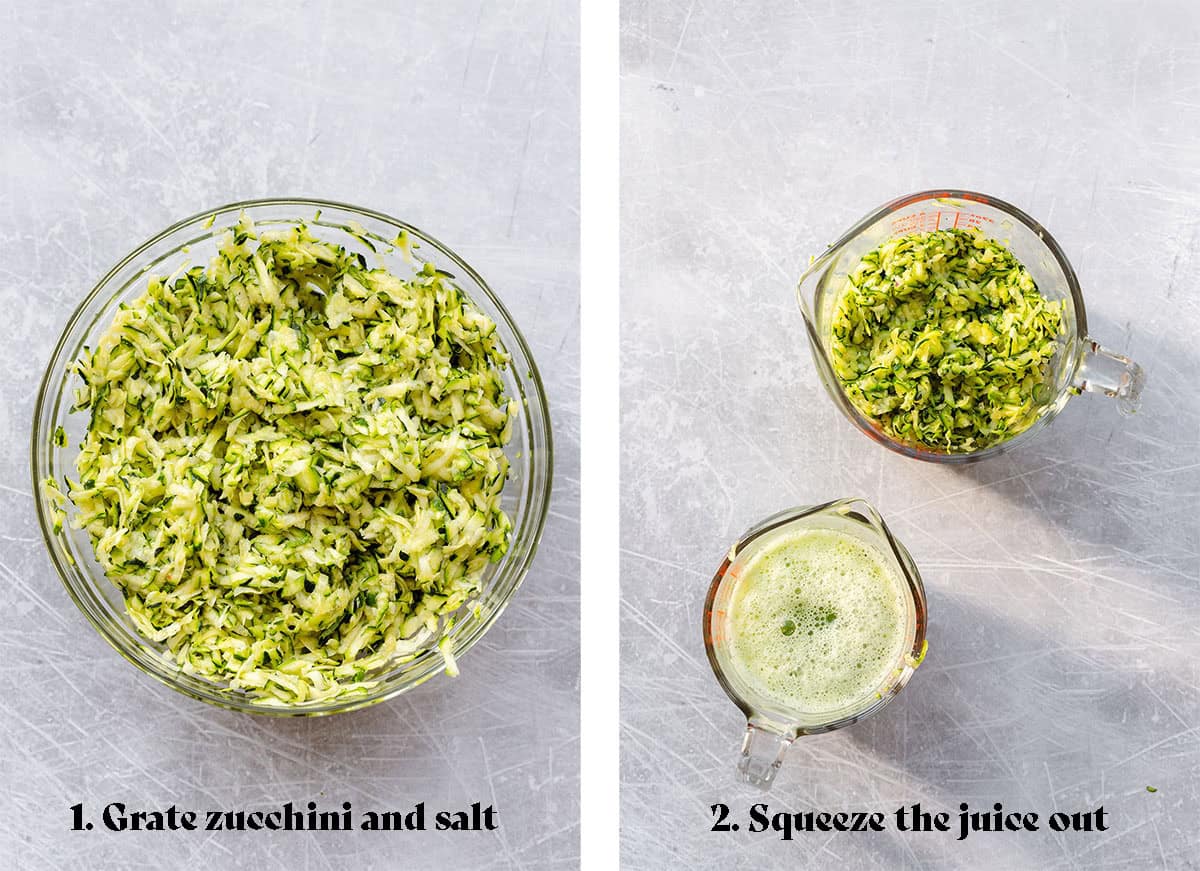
x,y
1114,375
763,750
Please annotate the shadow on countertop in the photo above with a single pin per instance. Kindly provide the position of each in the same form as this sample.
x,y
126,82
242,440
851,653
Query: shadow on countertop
x,y
1122,483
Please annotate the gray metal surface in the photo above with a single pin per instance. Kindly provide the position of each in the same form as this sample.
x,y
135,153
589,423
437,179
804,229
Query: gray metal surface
x,y
118,119
1063,580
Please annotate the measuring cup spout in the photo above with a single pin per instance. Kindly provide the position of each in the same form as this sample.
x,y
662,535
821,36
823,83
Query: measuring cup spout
x,y
762,754
1110,374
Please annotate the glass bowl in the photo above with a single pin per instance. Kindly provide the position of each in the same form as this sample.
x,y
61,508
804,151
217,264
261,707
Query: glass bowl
x,y
525,497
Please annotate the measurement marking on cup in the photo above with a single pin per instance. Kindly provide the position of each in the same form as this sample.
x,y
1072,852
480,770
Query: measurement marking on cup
x,y
922,222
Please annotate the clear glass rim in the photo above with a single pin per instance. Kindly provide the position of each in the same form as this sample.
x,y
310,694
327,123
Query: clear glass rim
x,y
865,424
429,662
776,720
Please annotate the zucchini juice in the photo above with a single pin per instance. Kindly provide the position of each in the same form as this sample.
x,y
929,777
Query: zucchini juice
x,y
817,621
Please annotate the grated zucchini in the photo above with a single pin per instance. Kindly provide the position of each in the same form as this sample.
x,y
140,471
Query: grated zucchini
x,y
294,463
943,339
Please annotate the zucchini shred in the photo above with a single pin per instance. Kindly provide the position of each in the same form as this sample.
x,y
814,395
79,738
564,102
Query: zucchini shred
x,y
943,339
293,464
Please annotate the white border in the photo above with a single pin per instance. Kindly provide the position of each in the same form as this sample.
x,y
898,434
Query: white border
x,y
599,523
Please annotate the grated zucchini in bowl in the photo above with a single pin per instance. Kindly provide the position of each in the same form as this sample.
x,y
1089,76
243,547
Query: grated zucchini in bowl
x,y
943,339
293,463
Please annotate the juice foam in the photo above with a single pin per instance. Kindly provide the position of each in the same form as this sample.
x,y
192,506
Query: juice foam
x,y
818,620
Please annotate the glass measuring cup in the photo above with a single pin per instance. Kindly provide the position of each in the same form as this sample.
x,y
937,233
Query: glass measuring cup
x,y
1079,365
771,729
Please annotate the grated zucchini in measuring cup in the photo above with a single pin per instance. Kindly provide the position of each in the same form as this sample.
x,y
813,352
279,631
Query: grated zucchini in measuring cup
x,y
294,463
943,339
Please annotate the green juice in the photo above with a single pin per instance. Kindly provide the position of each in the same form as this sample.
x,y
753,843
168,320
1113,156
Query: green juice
x,y
818,620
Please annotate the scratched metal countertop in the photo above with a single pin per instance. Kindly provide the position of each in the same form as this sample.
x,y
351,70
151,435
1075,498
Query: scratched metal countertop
x,y
1063,580
118,119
